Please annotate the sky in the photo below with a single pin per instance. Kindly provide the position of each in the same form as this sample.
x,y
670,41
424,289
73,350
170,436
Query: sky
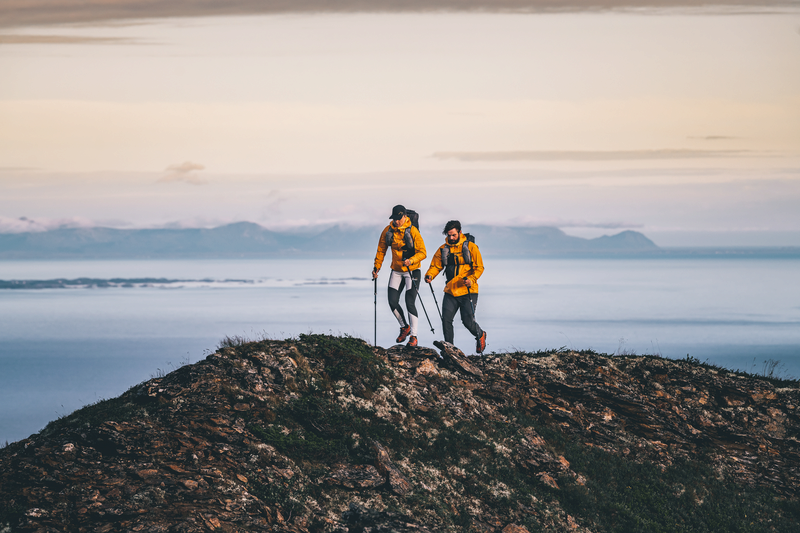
x,y
679,119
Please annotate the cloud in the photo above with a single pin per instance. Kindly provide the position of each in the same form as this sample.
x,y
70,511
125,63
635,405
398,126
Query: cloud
x,y
192,222
272,204
715,138
184,172
38,12
62,39
591,155
26,225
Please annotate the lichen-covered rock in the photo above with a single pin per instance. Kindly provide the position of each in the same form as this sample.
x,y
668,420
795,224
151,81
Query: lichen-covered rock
x,y
457,359
397,481
356,477
362,520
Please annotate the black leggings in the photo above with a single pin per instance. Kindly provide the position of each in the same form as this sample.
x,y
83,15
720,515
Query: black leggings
x,y
398,280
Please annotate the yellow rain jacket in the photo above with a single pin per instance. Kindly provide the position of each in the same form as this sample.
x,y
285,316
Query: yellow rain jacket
x,y
399,244
456,286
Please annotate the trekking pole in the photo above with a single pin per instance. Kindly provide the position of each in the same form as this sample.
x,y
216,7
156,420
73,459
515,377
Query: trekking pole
x,y
469,293
434,301
414,282
375,298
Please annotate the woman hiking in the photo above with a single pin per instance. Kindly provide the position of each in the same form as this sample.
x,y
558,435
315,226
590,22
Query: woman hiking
x,y
408,251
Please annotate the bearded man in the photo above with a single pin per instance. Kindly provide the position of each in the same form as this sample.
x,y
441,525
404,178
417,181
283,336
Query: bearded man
x,y
461,260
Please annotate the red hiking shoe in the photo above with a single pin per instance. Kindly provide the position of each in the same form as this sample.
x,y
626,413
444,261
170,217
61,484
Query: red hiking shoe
x,y
480,346
412,341
404,331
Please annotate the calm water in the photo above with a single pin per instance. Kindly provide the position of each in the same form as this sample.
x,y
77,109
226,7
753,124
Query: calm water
x,y
63,348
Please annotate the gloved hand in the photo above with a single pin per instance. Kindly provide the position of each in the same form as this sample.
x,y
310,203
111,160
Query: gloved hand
x,y
428,279
374,273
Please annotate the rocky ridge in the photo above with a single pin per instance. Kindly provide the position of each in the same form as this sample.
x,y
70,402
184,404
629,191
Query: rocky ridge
x,y
329,434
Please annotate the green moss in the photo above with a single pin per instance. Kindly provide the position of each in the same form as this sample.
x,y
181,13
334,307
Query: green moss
x,y
453,443
623,495
347,358
10,515
302,446
317,429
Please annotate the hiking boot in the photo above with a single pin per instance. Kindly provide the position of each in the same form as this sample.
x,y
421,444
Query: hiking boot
x,y
412,341
404,331
480,346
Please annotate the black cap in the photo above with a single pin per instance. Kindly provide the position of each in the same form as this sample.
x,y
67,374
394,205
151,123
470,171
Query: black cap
x,y
398,212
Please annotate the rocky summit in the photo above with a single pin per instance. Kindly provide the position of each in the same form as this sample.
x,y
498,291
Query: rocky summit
x,y
326,433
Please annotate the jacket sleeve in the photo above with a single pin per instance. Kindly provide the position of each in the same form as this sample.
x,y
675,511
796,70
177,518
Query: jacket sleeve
x,y
477,263
420,252
436,264
381,253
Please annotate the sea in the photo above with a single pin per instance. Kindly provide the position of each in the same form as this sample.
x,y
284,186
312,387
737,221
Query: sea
x,y
64,348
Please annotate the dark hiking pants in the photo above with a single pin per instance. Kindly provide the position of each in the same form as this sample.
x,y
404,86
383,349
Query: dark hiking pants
x,y
449,307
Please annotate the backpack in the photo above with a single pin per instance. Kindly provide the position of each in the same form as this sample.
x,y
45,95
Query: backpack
x,y
408,249
450,262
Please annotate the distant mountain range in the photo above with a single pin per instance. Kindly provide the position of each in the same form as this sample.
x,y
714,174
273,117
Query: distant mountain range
x,y
545,240
246,239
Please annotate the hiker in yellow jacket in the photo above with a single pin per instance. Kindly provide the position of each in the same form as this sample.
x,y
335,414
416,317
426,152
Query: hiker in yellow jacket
x,y
408,251
461,260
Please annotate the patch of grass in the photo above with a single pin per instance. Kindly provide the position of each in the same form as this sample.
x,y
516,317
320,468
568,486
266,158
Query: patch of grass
x,y
626,496
347,358
10,514
232,341
453,443
119,409
768,372
771,370
314,428
302,446
622,495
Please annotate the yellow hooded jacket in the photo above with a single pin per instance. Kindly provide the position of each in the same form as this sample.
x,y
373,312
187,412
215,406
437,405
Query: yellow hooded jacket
x,y
398,243
456,286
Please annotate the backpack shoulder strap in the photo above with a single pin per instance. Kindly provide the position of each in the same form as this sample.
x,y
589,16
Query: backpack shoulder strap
x,y
408,239
445,253
465,255
387,236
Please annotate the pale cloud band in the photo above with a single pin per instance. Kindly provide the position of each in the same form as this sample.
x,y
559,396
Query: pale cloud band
x,y
589,155
62,39
184,172
18,13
